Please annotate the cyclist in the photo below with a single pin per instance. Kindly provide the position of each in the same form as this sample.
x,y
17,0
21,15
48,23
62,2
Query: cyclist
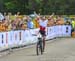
x,y
43,24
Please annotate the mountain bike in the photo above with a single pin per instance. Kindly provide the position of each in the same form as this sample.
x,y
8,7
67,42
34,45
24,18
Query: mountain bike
x,y
39,44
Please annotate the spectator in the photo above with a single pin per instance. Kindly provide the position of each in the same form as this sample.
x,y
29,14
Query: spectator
x,y
73,25
13,25
59,20
30,24
50,21
1,17
67,23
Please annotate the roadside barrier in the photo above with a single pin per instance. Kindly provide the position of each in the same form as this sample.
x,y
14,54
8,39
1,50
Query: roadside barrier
x,y
24,37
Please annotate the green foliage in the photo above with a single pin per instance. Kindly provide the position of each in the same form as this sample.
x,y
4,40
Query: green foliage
x,y
42,6
9,5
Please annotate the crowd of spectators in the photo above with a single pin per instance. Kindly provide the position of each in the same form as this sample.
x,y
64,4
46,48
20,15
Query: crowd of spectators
x,y
22,22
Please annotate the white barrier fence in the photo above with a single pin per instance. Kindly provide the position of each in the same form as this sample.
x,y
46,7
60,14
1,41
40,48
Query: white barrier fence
x,y
25,37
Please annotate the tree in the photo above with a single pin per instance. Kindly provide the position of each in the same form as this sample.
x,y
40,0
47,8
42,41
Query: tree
x,y
1,6
42,6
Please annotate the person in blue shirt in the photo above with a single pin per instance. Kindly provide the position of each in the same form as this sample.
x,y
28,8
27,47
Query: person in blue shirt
x,y
30,24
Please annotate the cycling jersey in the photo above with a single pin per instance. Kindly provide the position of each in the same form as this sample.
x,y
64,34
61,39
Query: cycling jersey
x,y
43,24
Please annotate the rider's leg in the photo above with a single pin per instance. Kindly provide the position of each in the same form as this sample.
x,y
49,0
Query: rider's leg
x,y
43,43
43,35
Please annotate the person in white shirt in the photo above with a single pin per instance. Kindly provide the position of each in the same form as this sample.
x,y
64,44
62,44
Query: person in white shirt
x,y
43,24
